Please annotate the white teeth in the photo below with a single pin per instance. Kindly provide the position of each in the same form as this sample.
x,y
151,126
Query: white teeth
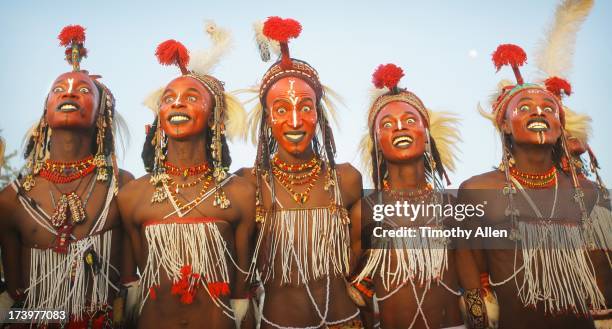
x,y
537,125
68,107
295,136
179,118
402,140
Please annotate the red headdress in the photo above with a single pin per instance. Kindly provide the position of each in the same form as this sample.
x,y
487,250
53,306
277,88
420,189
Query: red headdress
x,y
73,37
441,126
515,57
388,76
282,30
172,52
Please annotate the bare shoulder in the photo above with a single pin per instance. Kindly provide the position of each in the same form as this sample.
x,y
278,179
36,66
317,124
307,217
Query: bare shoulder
x,y
133,189
246,173
241,189
125,177
348,174
8,202
490,179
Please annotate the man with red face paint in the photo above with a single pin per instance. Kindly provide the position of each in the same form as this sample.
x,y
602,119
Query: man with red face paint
x,y
407,149
303,248
543,272
192,234
60,222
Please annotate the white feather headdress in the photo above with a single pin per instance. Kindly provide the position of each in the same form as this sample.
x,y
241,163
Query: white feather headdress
x,y
201,64
555,53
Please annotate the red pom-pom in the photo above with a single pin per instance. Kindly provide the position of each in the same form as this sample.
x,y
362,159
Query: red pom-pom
x,y
217,289
509,54
387,75
71,33
152,293
558,85
280,29
172,52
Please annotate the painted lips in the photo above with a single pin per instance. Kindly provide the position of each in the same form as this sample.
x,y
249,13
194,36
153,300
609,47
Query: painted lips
x,y
178,118
402,142
295,136
67,107
538,125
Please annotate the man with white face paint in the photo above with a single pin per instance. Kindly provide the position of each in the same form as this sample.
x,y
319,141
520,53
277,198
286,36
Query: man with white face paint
x,y
303,250
62,241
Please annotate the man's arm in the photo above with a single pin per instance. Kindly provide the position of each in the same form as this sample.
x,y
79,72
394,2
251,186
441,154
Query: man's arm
x,y
10,246
243,242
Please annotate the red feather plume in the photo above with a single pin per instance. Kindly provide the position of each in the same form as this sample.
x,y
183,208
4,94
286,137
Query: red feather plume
x,y
557,86
172,52
387,75
509,54
280,29
70,34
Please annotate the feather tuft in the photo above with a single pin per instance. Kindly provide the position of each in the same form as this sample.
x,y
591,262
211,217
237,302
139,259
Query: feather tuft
x,y
265,46
387,75
509,54
558,86
280,29
204,61
555,51
172,52
71,34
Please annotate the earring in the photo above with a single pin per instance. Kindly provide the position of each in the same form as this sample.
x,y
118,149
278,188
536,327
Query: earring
x,y
216,146
100,158
34,164
159,176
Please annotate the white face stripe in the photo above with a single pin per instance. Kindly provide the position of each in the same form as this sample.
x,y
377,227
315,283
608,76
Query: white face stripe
x,y
399,124
539,110
294,100
70,82
176,100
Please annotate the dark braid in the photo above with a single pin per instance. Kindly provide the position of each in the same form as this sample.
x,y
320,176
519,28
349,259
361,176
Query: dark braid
x,y
148,149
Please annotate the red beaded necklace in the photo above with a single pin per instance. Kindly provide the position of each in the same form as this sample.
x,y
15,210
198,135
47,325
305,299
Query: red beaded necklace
x,y
186,171
59,172
535,181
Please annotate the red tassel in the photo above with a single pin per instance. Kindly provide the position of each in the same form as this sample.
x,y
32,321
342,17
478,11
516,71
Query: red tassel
x,y
509,54
280,29
387,75
70,34
172,52
218,288
513,55
152,293
558,86
187,298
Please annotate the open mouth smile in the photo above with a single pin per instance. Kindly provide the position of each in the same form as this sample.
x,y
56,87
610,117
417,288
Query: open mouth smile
x,y
295,136
402,142
178,118
537,125
67,107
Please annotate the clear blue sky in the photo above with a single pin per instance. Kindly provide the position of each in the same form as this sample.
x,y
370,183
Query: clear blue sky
x,y
344,40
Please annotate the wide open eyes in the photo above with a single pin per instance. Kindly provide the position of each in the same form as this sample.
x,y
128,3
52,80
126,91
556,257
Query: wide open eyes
x,y
524,108
58,89
84,90
281,110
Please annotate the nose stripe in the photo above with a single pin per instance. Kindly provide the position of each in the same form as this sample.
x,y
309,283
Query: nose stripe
x,y
294,118
176,101
539,110
70,82
399,124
